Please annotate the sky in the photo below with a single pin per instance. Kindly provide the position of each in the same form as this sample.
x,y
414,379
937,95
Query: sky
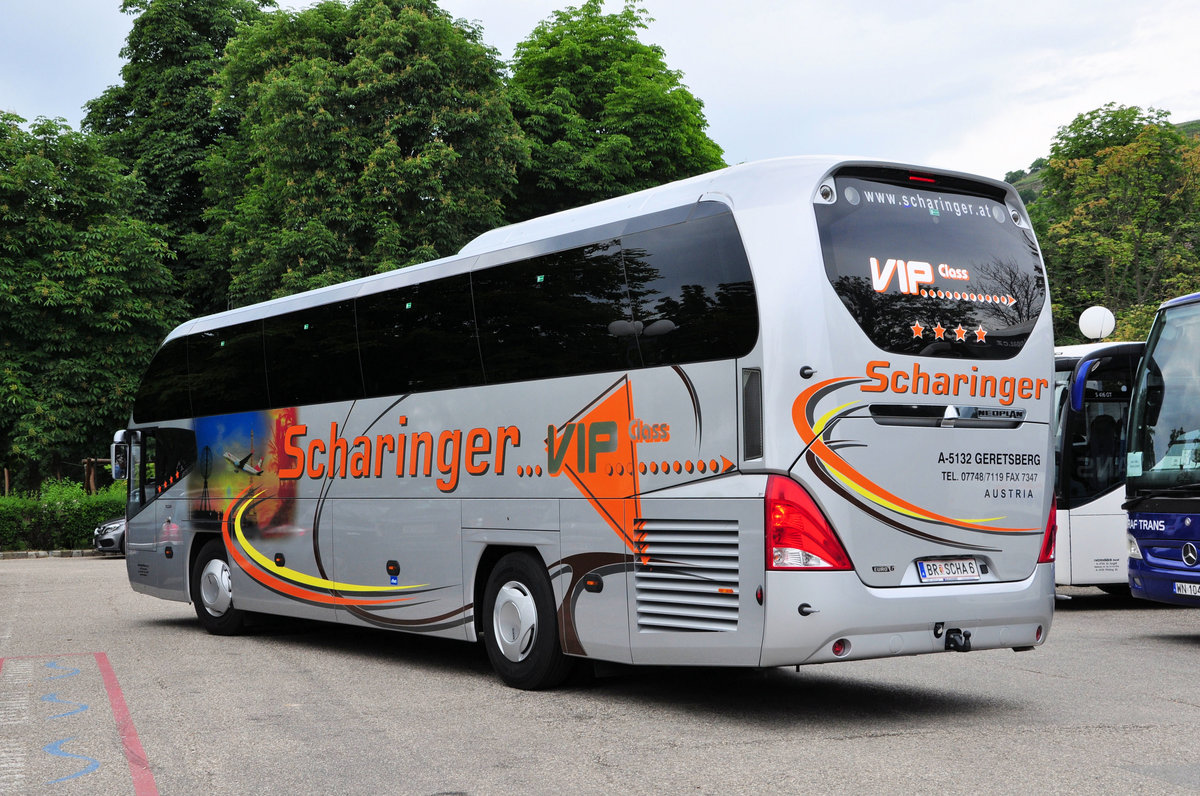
x,y
976,87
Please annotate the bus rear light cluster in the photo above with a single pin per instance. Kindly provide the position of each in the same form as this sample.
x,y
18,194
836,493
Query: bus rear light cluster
x,y
798,535
1046,556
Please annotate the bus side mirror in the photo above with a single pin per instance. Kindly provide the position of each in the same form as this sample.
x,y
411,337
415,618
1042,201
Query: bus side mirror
x,y
1154,401
1079,383
119,456
1152,381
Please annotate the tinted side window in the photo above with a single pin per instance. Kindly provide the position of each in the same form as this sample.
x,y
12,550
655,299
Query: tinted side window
x,y
173,454
161,457
555,315
418,338
676,294
312,356
227,370
163,394
693,296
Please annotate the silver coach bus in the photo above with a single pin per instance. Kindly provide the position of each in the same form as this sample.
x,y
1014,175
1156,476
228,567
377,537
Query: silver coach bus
x,y
788,412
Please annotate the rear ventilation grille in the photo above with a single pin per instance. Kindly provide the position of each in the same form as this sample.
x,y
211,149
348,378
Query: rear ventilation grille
x,y
687,576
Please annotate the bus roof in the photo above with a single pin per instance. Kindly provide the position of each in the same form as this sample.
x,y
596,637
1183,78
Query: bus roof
x,y
740,187
1191,298
1085,349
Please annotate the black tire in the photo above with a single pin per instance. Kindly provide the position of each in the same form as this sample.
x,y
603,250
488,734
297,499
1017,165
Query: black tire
x,y
1115,589
520,625
212,594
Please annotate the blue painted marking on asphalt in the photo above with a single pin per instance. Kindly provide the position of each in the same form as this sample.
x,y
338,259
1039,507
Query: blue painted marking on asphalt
x,y
57,750
54,698
68,672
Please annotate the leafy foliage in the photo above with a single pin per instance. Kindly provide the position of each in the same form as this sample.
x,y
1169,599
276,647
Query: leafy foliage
x,y
1102,128
603,113
84,295
158,121
1118,217
263,152
370,137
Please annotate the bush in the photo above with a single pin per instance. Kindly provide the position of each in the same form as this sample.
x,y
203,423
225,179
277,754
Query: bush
x,y
16,514
60,517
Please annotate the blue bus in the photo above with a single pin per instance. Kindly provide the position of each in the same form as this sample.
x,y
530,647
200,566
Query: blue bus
x,y
1163,468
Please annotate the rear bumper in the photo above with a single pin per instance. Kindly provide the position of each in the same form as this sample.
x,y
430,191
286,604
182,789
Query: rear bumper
x,y
881,623
1151,583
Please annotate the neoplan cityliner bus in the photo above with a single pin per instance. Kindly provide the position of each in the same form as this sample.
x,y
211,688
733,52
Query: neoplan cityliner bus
x,y
788,412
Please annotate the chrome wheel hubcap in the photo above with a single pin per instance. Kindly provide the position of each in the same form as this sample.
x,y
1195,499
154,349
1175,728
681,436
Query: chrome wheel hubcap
x,y
514,621
216,591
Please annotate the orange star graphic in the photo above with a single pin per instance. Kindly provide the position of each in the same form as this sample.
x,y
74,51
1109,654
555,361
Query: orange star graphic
x,y
980,334
960,333
917,329
939,332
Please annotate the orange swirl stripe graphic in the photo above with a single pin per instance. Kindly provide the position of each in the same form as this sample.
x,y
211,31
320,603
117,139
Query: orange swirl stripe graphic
x,y
288,581
802,417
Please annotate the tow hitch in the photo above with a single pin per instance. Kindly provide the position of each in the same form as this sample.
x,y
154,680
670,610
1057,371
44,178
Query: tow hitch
x,y
958,640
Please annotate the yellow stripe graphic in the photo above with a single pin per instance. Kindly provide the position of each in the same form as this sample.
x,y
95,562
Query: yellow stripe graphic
x,y
294,575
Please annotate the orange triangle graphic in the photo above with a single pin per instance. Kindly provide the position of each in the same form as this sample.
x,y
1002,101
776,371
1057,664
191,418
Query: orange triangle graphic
x,y
599,457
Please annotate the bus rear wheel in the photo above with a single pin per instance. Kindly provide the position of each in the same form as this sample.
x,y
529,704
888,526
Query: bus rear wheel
x,y
520,626
212,591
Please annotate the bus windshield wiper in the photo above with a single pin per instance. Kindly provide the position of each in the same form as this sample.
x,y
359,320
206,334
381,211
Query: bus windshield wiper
x,y
1177,490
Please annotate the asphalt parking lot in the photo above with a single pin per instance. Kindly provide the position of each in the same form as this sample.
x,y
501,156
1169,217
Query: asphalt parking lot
x,y
106,691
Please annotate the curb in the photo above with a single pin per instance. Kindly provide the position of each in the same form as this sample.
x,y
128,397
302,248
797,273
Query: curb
x,y
6,555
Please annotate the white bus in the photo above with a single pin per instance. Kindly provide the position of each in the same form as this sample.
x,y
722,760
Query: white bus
x,y
1093,384
788,412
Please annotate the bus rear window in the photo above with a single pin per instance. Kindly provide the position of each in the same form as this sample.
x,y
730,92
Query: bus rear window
x,y
931,272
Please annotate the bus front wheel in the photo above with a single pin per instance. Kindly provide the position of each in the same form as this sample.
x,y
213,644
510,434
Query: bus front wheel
x,y
212,591
520,627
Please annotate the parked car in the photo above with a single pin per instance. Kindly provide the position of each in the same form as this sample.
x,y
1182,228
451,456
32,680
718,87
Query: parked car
x,y
109,537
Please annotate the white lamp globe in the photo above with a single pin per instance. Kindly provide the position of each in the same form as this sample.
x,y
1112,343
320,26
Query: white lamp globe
x,y
1096,323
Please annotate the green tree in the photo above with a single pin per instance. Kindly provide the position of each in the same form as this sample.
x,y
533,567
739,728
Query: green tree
x,y
1102,128
371,136
603,113
85,296
1087,134
1122,225
159,123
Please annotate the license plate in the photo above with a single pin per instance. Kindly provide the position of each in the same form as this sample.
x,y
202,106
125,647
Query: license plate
x,y
947,570
1187,589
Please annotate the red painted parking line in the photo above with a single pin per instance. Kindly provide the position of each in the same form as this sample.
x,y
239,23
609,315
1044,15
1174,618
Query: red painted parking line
x,y
139,766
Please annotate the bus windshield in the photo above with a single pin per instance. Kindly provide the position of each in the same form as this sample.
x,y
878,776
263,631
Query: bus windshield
x,y
1164,453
